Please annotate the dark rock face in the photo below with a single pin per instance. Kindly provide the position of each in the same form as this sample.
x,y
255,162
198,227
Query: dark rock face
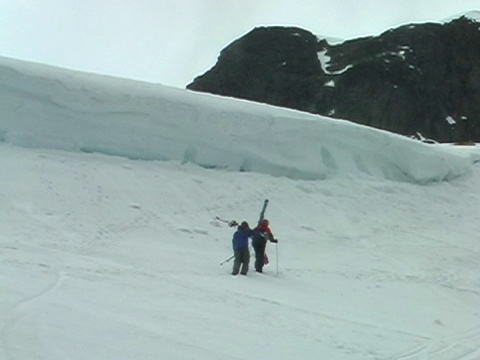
x,y
278,66
414,79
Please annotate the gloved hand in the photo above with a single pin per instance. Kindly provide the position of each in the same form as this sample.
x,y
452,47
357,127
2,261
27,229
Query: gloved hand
x,y
274,241
232,223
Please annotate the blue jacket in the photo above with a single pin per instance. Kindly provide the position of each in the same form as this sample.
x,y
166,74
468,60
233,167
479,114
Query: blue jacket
x,y
240,238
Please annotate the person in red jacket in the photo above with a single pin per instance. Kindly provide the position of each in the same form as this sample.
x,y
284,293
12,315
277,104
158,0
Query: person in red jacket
x,y
259,243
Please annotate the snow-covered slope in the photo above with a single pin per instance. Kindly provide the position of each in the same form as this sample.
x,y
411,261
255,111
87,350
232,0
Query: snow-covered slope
x,y
105,257
46,107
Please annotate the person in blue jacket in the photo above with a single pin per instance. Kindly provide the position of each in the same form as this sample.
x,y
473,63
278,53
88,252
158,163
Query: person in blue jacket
x,y
240,248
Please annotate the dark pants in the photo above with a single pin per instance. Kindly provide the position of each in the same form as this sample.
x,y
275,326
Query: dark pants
x,y
242,257
259,256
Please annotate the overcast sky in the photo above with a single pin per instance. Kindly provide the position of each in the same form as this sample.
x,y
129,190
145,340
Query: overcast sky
x,y
173,41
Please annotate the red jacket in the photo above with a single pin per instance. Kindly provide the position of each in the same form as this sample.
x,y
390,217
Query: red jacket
x,y
263,227
262,234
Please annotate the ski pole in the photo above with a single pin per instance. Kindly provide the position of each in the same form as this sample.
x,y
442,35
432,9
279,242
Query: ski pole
x,y
230,223
222,220
276,252
227,260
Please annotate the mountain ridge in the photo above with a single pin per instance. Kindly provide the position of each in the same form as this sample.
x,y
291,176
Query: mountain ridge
x,y
419,80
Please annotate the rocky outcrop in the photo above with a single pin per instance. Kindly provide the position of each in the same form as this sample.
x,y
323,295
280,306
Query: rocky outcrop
x,y
421,79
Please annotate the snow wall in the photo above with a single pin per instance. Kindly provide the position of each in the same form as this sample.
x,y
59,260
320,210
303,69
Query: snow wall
x,y
47,107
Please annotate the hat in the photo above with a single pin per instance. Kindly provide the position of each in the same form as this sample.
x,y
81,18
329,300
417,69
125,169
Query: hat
x,y
244,225
265,221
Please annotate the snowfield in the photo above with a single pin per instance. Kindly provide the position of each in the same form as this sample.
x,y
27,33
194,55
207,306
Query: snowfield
x,y
109,247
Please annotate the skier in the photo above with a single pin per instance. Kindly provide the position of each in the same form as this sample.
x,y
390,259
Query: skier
x,y
240,247
262,233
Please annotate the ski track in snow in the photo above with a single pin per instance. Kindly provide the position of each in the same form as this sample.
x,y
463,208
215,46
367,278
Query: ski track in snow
x,y
462,346
26,316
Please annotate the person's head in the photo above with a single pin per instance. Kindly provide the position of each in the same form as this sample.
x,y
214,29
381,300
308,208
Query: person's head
x,y
265,222
244,225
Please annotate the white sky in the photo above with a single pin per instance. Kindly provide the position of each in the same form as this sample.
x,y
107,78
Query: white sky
x,y
172,41
107,258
